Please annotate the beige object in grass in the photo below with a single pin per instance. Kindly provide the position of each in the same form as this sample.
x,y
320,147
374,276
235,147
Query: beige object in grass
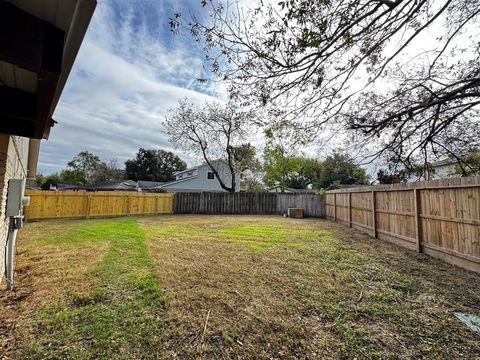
x,y
295,213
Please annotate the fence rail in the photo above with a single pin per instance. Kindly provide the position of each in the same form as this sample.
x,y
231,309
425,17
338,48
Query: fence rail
x,y
248,203
440,218
84,205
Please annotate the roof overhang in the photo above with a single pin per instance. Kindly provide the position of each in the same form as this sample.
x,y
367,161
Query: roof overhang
x,y
39,41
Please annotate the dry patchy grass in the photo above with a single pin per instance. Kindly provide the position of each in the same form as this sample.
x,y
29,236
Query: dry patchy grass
x,y
106,304
48,267
280,288
226,287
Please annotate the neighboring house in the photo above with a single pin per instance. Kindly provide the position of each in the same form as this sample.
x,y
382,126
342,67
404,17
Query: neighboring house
x,y
201,178
294,191
437,170
110,185
143,185
442,169
62,187
39,41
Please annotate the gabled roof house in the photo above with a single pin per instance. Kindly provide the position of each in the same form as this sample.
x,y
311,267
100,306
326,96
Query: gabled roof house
x,y
201,178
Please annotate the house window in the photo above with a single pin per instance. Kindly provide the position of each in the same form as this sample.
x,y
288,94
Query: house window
x,y
189,173
210,175
180,176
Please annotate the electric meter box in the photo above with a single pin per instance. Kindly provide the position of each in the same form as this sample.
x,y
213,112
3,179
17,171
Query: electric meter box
x,y
15,197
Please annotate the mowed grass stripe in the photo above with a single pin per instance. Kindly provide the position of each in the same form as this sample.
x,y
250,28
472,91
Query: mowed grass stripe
x,y
120,316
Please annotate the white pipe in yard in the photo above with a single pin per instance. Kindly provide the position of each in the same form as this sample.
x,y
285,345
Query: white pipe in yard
x,y
10,253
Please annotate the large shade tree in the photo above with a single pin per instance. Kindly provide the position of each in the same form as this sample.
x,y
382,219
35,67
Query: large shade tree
x,y
212,132
154,165
88,168
403,75
341,169
279,167
82,168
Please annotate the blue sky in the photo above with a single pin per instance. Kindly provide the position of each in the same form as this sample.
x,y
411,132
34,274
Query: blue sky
x,y
129,72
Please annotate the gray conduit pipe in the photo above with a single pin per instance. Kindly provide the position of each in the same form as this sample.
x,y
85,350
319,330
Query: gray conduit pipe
x,y
9,255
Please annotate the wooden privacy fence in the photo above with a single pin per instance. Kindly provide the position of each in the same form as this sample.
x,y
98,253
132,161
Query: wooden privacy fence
x,y
247,203
440,218
313,205
84,205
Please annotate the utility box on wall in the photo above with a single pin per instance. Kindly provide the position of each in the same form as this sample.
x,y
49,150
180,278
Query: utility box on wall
x,y
15,198
295,213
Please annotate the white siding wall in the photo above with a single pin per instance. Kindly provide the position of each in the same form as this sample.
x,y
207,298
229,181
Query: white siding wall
x,y
202,183
444,171
13,165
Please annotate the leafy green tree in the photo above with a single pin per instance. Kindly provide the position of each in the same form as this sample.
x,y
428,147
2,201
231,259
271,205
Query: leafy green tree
x,y
278,166
341,169
84,168
154,165
40,179
245,157
307,172
469,165
84,165
71,177
253,184
108,171
384,177
51,180
249,166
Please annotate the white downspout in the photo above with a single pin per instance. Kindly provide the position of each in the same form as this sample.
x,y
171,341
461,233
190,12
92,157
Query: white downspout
x,y
10,254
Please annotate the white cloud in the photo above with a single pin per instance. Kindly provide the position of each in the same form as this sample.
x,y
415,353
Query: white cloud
x,y
129,72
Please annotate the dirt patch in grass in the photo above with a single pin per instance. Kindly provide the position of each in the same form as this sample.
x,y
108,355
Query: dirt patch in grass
x,y
280,288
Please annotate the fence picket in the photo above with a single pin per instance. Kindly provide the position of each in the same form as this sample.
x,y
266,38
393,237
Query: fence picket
x,y
78,205
440,218
248,203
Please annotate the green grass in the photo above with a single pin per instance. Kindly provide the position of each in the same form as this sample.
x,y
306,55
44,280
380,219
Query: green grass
x,y
120,316
222,287
255,236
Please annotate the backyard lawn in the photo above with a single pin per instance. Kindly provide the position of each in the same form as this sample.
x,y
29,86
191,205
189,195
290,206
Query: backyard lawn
x,y
220,287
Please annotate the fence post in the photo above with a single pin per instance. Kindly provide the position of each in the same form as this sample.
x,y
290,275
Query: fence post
x,y
350,208
129,203
88,204
373,215
335,207
157,197
418,235
57,200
